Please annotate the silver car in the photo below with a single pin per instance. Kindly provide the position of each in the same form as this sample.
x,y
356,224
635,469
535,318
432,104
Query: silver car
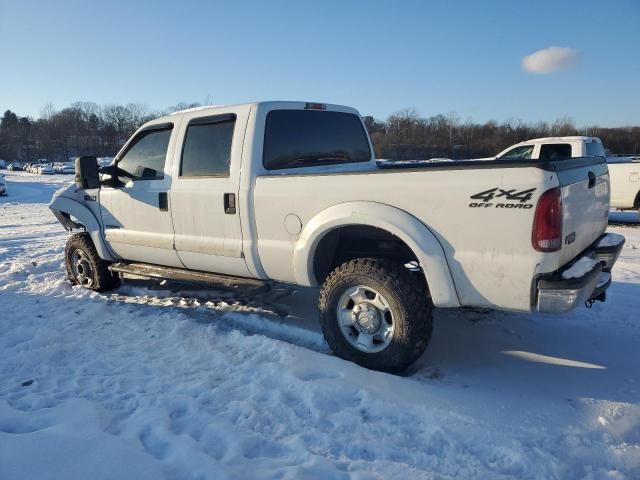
x,y
45,169
67,168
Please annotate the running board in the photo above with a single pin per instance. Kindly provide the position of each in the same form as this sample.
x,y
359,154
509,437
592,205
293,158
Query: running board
x,y
179,275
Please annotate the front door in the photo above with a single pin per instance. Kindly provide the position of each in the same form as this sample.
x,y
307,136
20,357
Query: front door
x,y
135,212
205,190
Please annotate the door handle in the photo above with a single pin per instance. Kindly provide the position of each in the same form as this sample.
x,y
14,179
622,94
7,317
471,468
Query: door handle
x,y
230,203
163,201
592,179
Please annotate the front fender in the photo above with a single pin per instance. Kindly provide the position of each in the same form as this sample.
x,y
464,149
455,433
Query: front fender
x,y
84,217
409,229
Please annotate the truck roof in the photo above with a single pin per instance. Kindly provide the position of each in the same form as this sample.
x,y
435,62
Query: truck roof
x,y
271,104
562,139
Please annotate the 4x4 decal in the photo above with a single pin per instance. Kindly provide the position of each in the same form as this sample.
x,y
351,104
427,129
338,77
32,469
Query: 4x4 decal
x,y
511,195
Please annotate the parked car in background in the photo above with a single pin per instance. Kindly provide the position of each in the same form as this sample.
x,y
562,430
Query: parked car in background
x,y
625,182
35,166
58,166
3,184
554,148
44,169
15,166
63,167
3,164
291,192
104,161
67,168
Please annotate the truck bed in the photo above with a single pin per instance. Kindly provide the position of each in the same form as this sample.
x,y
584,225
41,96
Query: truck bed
x,y
488,248
555,165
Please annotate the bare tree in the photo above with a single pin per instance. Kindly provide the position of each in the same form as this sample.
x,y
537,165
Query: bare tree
x,y
87,128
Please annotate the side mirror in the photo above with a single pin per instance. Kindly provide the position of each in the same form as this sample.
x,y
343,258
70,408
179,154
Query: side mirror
x,y
87,177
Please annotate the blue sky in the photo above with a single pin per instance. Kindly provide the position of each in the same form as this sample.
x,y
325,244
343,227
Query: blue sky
x,y
378,56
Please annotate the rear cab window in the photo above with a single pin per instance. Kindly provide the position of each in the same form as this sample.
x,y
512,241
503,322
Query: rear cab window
x,y
307,138
595,149
555,151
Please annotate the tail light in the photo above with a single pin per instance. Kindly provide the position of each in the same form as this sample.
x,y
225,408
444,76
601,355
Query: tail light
x,y
547,223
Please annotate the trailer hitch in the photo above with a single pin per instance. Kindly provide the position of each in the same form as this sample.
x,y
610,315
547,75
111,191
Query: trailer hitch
x,y
600,298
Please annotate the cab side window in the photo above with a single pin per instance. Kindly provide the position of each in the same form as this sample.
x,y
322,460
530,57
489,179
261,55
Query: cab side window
x,y
145,158
207,147
519,153
555,151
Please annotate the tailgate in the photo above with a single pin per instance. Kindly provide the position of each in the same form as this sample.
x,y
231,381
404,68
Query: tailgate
x,y
585,203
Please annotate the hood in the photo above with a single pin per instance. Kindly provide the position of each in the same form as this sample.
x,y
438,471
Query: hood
x,y
70,191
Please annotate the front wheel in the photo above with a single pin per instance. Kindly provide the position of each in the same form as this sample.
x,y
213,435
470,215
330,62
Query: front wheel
x,y
85,267
376,313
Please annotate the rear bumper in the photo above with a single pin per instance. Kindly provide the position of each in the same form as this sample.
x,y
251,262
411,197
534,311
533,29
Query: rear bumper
x,y
562,291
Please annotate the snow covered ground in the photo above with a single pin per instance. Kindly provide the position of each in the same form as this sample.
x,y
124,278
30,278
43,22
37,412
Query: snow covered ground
x,y
152,381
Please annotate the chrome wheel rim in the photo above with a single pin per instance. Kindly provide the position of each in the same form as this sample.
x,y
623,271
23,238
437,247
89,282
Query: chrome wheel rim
x,y
81,267
365,319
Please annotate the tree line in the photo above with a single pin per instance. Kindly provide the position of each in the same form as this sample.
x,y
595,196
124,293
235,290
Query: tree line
x,y
83,128
86,128
406,136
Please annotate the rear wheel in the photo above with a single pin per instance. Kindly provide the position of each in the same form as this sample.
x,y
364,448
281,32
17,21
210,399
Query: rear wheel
x,y
376,313
85,267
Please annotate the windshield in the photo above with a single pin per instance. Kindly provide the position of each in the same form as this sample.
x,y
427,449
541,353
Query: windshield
x,y
524,152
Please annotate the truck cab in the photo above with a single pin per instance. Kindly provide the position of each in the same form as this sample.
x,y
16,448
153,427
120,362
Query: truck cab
x,y
184,193
554,148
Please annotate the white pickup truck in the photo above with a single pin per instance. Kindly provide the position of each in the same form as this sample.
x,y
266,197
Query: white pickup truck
x,y
554,148
624,172
291,192
625,182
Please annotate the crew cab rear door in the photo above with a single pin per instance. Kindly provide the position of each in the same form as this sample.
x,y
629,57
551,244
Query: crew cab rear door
x,y
584,183
205,191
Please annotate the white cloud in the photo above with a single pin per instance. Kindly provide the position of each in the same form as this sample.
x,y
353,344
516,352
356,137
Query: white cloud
x,y
550,60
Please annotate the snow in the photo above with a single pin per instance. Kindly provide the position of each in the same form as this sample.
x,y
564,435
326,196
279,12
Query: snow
x,y
632,159
69,438
610,240
388,163
603,279
159,381
580,268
